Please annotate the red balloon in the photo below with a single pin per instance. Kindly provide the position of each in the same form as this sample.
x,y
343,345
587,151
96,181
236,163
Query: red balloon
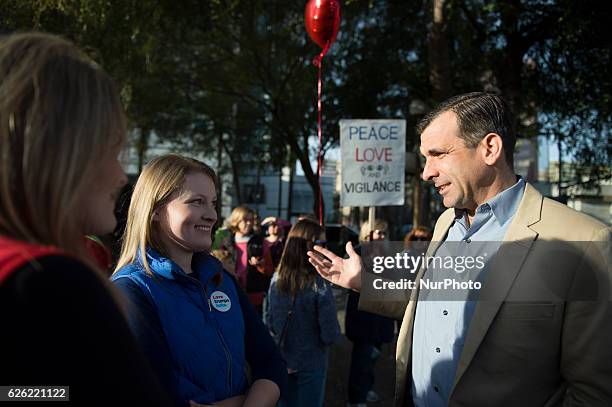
x,y
322,18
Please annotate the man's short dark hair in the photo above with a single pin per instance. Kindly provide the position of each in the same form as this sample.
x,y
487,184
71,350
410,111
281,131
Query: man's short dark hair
x,y
478,114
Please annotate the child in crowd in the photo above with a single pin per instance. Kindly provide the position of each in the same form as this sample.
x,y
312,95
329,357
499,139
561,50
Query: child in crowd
x,y
275,238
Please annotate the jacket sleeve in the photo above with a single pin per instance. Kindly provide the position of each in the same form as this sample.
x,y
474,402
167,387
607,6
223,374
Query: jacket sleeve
x,y
386,308
146,327
388,303
262,354
327,315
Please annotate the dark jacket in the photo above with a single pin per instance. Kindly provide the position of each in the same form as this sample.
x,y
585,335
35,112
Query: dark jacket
x,y
61,326
256,281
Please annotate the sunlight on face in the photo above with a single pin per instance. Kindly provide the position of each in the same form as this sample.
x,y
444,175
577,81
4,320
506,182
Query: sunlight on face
x,y
187,220
455,169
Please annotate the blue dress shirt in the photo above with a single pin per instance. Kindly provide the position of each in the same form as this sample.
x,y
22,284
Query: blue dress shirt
x,y
442,319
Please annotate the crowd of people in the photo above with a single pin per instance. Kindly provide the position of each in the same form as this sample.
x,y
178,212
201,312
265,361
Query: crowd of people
x,y
182,320
242,315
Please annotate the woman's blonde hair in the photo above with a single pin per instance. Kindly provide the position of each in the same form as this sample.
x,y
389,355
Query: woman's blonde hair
x,y
294,271
156,185
237,215
59,113
364,233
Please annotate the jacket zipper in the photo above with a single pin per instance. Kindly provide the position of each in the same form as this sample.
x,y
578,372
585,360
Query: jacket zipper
x,y
228,355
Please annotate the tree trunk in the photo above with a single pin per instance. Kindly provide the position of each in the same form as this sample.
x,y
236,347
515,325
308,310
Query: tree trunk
x,y
142,146
311,177
319,201
304,159
560,180
509,69
290,192
440,80
234,165
219,179
416,203
257,186
280,190
439,74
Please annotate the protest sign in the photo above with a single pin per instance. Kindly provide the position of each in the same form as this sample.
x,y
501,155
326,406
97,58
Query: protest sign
x,y
373,154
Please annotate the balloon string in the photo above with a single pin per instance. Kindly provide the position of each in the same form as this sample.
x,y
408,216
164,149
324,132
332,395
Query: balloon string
x,y
318,62
319,132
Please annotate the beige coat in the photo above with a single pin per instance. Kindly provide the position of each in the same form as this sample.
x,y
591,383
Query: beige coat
x,y
519,352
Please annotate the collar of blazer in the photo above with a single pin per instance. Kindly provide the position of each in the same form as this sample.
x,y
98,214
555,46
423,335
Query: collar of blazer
x,y
504,268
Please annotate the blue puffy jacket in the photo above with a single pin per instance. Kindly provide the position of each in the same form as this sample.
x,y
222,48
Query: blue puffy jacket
x,y
193,328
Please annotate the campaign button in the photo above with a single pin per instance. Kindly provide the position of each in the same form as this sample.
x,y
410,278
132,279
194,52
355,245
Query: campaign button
x,y
220,301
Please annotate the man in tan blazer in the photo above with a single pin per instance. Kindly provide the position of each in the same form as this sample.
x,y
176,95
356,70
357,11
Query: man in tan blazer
x,y
540,333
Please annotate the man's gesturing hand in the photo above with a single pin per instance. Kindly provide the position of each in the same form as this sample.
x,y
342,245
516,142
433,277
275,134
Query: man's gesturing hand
x,y
343,272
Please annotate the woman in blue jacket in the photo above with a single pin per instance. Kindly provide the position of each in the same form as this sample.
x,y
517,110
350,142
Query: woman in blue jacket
x,y
301,314
195,325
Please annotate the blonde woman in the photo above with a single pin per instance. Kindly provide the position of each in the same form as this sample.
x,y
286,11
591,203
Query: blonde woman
x,y
190,317
61,129
301,314
379,232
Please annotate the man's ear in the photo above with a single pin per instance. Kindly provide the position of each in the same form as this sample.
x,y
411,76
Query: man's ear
x,y
493,148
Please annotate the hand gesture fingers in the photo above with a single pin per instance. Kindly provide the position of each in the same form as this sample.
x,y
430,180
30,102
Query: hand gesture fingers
x,y
343,272
323,266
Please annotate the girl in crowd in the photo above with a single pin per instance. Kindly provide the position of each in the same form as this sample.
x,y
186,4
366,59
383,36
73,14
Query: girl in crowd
x,y
275,238
191,319
61,129
367,332
301,314
254,266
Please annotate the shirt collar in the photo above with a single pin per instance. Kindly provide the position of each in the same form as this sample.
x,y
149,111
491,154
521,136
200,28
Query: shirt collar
x,y
243,239
503,205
